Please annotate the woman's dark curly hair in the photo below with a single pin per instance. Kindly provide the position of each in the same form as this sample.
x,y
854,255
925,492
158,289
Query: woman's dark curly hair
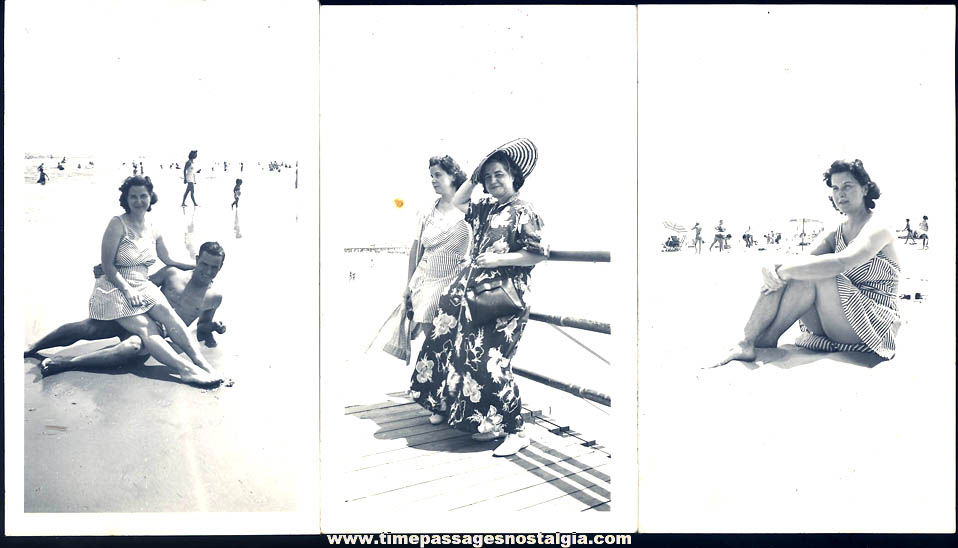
x,y
192,155
517,178
136,180
857,169
447,164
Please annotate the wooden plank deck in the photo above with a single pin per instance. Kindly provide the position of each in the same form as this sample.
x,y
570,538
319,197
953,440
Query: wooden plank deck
x,y
401,459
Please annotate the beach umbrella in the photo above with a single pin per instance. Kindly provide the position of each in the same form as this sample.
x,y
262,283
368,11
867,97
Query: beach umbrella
x,y
816,224
675,227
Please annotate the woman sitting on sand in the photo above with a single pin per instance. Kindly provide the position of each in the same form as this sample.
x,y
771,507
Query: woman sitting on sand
x,y
443,235
464,369
845,294
126,295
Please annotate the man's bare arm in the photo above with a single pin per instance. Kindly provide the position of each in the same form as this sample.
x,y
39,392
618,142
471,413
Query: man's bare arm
x,y
205,326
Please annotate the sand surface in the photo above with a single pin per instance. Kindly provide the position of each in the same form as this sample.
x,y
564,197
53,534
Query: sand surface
x,y
138,440
797,441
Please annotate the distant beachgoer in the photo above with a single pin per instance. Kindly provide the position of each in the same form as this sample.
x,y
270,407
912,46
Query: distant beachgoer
x,y
189,293
43,176
79,166
442,240
241,167
142,172
224,166
464,370
698,238
189,178
236,193
923,231
747,237
125,293
845,295
719,237
909,234
60,166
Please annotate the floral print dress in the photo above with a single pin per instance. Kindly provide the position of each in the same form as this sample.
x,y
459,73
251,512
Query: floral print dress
x,y
464,369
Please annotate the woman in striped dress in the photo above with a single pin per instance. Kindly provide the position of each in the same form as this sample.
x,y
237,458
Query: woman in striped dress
x,y
125,294
845,295
442,242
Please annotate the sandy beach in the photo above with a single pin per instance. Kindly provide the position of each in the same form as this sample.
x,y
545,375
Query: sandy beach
x,y
809,431
139,440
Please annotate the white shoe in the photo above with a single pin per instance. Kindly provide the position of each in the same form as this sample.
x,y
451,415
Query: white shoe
x,y
488,436
513,444
436,418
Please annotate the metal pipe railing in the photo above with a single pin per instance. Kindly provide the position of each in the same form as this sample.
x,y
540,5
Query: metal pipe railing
x,y
565,321
582,256
573,389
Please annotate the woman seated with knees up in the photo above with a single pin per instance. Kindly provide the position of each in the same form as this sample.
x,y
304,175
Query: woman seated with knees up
x,y
845,294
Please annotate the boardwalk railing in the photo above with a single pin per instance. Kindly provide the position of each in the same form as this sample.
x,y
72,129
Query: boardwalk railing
x,y
577,323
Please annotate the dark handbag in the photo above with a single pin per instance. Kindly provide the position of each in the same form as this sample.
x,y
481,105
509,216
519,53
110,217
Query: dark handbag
x,y
493,299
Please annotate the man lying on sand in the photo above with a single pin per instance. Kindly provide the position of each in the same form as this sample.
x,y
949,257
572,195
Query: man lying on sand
x,y
188,292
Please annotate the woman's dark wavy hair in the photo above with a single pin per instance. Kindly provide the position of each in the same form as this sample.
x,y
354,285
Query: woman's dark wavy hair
x,y
857,169
517,178
192,155
447,164
137,180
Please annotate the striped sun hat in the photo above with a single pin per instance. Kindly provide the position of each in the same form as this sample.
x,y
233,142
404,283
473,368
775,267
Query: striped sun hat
x,y
521,151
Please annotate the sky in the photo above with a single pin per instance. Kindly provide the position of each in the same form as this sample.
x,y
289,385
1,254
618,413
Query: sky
x,y
401,84
158,78
741,110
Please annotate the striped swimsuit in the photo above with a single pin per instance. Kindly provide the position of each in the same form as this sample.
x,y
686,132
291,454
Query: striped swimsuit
x,y
445,240
869,296
134,256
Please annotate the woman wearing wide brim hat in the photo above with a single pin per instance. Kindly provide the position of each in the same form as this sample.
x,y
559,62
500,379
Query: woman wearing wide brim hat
x,y
471,352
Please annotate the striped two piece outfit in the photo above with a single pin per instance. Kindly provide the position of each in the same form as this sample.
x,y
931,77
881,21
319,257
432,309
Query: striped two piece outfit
x,y
445,238
134,256
869,296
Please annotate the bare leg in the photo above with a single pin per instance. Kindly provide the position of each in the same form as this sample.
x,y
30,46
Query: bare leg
x,y
69,333
111,357
176,329
157,346
798,300
771,312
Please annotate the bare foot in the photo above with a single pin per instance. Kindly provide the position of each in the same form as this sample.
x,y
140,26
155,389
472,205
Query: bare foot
x,y
49,367
743,351
200,379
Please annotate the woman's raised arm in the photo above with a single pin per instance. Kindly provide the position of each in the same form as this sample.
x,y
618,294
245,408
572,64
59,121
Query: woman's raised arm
x,y
461,198
164,255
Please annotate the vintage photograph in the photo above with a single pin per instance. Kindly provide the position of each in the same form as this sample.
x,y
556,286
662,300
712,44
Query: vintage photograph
x,y
478,268
796,269
161,183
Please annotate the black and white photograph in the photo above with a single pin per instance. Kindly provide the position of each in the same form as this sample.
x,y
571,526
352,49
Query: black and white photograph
x,y
160,168
478,286
796,269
